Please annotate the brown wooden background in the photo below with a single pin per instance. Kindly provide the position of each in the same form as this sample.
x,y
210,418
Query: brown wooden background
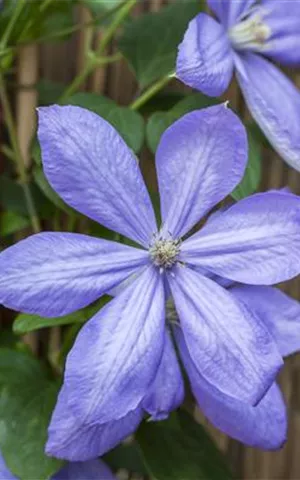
x,y
60,62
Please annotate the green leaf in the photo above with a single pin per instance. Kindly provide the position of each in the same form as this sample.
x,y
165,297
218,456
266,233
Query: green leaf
x,y
25,323
27,399
11,222
180,449
252,177
129,124
48,191
49,92
150,42
101,7
128,457
160,121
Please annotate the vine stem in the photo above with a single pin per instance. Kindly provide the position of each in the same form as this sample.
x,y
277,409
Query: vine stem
x,y
151,91
94,60
8,117
17,10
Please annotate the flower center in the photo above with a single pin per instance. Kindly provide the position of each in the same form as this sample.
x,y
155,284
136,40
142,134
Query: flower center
x,y
251,33
164,251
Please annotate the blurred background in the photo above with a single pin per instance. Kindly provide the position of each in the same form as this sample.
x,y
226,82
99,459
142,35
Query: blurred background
x,y
36,67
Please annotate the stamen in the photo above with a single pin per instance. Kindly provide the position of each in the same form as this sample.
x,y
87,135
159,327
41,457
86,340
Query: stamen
x,y
250,33
164,251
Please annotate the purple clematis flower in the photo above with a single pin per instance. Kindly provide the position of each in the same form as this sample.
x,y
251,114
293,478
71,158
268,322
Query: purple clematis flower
x,y
247,35
90,470
123,362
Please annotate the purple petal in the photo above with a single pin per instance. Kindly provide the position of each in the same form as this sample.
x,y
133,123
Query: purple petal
x,y
279,312
167,391
230,347
263,426
92,169
70,438
274,102
283,45
256,241
90,470
53,273
230,12
117,353
199,161
5,474
205,57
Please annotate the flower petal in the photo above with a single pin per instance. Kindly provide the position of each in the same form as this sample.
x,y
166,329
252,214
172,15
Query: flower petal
x,y
117,353
274,103
70,438
53,273
205,57
230,12
90,470
199,161
256,241
5,474
279,312
230,347
263,426
283,46
167,391
92,169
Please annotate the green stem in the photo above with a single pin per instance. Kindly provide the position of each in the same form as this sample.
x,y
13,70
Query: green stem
x,y
91,63
8,117
151,91
13,19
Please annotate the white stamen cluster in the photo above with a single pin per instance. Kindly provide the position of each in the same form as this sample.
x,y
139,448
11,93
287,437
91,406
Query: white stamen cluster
x,y
164,251
250,33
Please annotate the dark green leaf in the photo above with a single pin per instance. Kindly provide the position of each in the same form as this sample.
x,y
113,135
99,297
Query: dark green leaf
x,y
27,399
49,92
160,121
180,449
129,124
98,8
252,177
150,42
11,222
128,457
25,323
48,191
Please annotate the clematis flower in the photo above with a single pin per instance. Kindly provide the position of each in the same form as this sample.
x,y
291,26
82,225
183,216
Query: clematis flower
x,y
123,358
247,37
91,470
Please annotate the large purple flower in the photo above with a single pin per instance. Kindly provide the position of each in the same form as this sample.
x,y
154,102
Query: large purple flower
x,y
123,361
90,470
247,34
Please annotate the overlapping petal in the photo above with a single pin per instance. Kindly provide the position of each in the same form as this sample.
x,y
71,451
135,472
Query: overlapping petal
x,y
229,346
274,103
283,20
53,273
117,353
90,470
256,241
230,12
263,426
92,169
70,438
199,161
205,57
279,312
167,390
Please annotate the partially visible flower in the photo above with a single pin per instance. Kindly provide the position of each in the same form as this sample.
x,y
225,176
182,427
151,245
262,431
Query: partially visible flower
x,y
90,470
247,34
123,363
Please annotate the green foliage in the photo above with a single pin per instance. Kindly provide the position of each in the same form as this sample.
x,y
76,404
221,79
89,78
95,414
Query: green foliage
x,y
27,399
180,449
160,121
126,456
252,177
43,184
150,42
25,323
11,222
